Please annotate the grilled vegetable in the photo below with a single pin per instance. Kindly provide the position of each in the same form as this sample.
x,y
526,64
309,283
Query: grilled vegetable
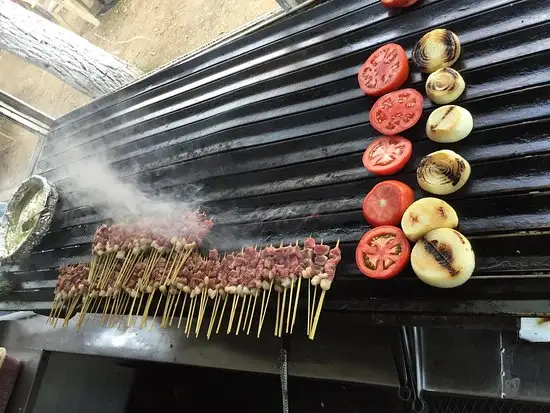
x,y
425,215
386,203
443,172
396,111
445,86
386,69
435,50
387,155
449,124
382,252
443,258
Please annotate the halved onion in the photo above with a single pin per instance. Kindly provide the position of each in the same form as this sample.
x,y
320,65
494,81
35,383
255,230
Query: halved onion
x,y
443,258
425,215
435,50
445,86
443,172
449,124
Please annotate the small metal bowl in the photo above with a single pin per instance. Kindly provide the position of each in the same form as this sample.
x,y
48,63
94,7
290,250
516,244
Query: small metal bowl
x,y
21,229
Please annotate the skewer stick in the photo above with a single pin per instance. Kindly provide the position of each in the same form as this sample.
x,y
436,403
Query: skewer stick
x,y
213,316
133,304
262,317
276,334
181,312
156,311
56,317
72,306
261,308
308,307
289,306
241,316
126,302
317,315
221,315
175,307
192,315
167,308
252,314
296,304
189,313
113,309
313,306
87,303
247,312
146,310
54,304
167,261
95,309
282,315
233,308
202,309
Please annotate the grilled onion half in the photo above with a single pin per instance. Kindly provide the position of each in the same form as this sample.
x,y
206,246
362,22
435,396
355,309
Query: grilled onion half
x,y
449,124
445,86
443,172
443,258
425,215
435,50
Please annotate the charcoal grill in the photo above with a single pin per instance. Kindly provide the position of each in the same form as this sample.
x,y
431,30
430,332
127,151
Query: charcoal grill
x,y
271,127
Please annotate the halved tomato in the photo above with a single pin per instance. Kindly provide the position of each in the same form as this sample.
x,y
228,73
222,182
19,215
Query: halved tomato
x,y
387,155
392,4
386,203
382,253
386,69
397,111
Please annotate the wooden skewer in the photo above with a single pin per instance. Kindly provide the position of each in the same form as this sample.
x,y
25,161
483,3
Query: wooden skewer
x,y
191,317
54,306
276,334
132,307
240,316
182,308
202,309
87,302
296,299
308,307
282,315
146,310
252,314
113,309
213,316
289,306
233,308
156,310
141,295
126,302
317,315
313,306
221,315
70,310
56,317
247,312
174,309
167,309
262,317
97,304
191,304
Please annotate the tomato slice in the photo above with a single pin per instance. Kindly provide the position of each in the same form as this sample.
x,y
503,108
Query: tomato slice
x,y
387,155
386,203
392,4
397,111
383,252
386,69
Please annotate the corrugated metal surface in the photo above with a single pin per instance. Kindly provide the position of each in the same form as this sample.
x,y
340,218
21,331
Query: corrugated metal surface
x,y
271,127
